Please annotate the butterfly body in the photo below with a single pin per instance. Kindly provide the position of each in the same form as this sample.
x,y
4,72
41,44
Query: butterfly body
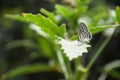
x,y
84,34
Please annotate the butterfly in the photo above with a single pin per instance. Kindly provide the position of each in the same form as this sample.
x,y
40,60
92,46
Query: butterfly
x,y
84,35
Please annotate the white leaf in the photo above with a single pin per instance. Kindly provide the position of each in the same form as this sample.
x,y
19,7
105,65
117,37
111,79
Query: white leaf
x,y
73,49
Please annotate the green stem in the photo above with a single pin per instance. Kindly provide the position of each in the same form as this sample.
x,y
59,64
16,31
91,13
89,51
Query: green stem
x,y
63,65
95,57
78,64
100,50
98,53
92,61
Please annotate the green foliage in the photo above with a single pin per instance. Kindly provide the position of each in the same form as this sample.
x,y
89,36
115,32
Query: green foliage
x,y
17,17
50,15
82,2
47,22
97,29
118,14
62,10
110,69
19,43
27,70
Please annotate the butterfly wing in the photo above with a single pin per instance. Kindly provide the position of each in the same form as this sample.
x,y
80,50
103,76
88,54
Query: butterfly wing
x,y
84,34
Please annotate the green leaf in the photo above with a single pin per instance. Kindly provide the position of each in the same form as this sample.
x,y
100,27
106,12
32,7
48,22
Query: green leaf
x,y
62,29
46,24
51,15
78,12
118,14
47,47
34,68
112,65
62,10
82,2
16,17
21,43
97,29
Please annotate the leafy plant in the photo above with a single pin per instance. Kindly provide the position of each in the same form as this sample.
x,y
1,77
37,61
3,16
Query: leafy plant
x,y
52,31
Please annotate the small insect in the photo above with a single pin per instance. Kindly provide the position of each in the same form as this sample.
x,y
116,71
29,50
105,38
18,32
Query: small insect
x,y
84,34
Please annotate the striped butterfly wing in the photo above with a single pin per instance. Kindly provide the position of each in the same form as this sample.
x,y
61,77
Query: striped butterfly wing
x,y
84,34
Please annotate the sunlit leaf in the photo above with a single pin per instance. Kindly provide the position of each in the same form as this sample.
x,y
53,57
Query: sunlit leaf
x,y
78,12
62,10
97,29
16,17
51,15
46,24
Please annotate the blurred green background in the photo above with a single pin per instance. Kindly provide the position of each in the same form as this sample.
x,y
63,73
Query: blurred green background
x,y
20,46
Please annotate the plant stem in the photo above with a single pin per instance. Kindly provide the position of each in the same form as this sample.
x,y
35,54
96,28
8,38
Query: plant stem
x,y
98,52
63,65
78,71
96,56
